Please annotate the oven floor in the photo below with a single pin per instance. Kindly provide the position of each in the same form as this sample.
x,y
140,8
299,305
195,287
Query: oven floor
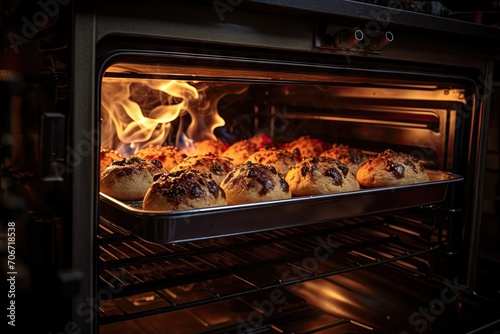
x,y
363,301
402,304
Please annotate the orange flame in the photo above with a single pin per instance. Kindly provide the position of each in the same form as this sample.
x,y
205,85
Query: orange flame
x,y
127,126
204,114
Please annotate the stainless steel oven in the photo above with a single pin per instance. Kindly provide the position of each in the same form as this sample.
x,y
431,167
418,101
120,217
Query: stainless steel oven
x,y
375,76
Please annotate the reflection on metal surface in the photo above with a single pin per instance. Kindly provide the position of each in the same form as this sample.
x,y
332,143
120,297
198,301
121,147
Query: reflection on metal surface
x,y
347,39
380,42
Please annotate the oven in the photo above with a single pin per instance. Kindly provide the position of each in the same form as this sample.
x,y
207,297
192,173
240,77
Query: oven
x,y
417,258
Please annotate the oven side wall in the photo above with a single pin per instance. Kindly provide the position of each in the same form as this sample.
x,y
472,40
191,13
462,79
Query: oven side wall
x,y
84,138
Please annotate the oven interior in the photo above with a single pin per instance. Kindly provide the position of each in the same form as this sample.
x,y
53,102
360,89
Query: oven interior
x,y
369,271
426,116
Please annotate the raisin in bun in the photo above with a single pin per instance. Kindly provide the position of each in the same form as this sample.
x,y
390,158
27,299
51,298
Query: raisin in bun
x,y
282,160
108,156
320,176
129,179
390,168
216,165
350,156
251,182
241,150
183,190
168,155
308,147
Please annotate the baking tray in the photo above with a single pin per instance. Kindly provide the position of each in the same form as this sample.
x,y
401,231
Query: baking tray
x,y
168,227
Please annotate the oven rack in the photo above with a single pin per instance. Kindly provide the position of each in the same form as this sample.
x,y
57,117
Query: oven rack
x,y
141,278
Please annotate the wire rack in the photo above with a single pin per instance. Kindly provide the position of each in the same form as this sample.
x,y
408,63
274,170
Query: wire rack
x,y
138,278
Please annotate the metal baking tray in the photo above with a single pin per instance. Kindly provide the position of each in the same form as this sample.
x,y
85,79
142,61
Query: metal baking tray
x,y
167,227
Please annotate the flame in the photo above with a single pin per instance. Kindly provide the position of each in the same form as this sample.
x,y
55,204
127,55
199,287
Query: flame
x,y
140,112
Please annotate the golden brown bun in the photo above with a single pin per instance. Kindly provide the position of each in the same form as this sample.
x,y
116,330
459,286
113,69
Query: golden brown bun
x,y
129,179
350,156
210,163
320,176
241,150
168,155
307,146
107,157
282,160
391,169
250,183
183,190
262,140
205,146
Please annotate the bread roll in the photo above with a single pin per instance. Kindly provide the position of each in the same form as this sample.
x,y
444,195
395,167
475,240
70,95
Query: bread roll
x,y
129,179
391,169
320,176
282,160
168,155
350,156
250,183
241,150
308,147
183,190
108,156
205,146
210,163
262,140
